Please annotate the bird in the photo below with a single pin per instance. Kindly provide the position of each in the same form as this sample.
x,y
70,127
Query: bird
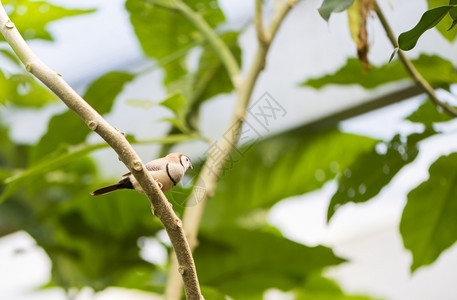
x,y
167,171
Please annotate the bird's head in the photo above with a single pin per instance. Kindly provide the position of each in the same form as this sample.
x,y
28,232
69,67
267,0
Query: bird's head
x,y
183,159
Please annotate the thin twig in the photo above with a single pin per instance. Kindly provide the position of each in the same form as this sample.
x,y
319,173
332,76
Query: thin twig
x,y
409,66
118,142
209,173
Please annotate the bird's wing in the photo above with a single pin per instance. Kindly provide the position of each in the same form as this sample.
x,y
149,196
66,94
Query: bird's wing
x,y
156,164
153,165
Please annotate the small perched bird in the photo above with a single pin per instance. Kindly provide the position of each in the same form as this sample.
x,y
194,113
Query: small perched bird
x,y
167,171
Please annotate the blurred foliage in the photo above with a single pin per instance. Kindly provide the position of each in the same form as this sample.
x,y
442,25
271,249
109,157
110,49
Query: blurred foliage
x,y
176,32
358,183
427,114
23,90
332,6
32,17
446,22
435,69
254,179
100,95
408,40
96,242
234,261
430,227
320,288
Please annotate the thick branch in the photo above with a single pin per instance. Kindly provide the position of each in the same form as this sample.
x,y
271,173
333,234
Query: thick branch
x,y
117,141
209,175
415,75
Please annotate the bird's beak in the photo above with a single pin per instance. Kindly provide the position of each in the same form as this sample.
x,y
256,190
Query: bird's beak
x,y
190,165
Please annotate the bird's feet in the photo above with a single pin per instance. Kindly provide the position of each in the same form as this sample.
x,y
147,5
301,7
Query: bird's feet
x,y
159,183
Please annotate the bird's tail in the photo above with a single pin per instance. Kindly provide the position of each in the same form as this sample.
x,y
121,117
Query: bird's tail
x,y
123,184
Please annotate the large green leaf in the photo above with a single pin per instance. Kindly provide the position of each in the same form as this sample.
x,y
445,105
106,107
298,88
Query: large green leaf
x,y
435,70
23,90
407,40
286,165
242,263
162,30
373,170
446,22
32,17
429,224
331,6
67,128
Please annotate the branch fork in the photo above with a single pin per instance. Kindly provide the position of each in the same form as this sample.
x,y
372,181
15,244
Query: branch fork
x,y
244,89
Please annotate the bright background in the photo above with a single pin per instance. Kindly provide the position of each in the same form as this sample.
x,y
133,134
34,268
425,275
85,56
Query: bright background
x,y
367,235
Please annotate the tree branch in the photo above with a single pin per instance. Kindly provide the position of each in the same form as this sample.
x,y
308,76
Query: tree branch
x,y
410,68
118,142
209,175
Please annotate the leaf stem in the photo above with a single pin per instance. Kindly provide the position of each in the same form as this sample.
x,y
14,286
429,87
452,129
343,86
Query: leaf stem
x,y
409,66
118,142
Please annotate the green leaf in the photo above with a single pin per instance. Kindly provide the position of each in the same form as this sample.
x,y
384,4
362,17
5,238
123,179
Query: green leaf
x,y
332,6
373,170
82,255
140,103
23,90
240,262
67,128
435,69
428,113
91,241
453,15
117,214
212,294
212,78
32,174
32,17
407,40
104,90
428,225
445,24
169,31
253,178
321,288
174,103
